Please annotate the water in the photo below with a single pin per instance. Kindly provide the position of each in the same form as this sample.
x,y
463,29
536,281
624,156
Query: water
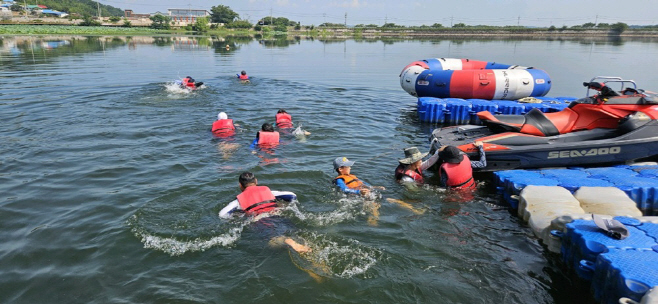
x,y
110,180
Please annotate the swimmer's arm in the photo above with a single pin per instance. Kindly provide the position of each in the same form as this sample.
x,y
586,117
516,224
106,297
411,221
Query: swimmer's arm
x,y
253,144
229,209
341,184
430,161
483,159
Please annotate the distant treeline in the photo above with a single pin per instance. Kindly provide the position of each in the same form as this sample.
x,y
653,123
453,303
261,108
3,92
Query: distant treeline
x,y
81,7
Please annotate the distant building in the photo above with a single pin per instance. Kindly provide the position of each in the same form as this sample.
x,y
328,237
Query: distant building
x,y
54,13
129,14
184,15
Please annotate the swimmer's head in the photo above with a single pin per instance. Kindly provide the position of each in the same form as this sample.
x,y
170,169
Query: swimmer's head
x,y
243,72
247,179
222,115
267,127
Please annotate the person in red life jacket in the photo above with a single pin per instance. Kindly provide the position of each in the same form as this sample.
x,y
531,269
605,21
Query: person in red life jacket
x,y
456,172
410,170
243,75
255,200
223,127
283,119
190,83
266,137
349,183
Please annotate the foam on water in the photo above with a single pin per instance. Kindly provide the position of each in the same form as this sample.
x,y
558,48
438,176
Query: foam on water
x,y
335,257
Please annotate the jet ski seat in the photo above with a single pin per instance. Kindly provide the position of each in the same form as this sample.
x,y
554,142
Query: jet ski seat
x,y
535,122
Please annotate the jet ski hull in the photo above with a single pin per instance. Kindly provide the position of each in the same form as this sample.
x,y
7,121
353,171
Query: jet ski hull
x,y
512,150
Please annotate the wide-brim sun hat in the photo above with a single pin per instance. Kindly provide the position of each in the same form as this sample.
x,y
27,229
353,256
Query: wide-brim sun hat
x,y
342,162
412,155
222,115
451,154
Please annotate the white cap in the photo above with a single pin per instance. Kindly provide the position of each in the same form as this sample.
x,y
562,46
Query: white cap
x,y
222,115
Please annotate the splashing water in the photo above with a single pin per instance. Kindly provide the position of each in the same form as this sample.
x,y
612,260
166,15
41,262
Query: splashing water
x,y
335,257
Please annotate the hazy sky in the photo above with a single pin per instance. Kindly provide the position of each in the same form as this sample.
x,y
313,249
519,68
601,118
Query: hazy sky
x,y
412,12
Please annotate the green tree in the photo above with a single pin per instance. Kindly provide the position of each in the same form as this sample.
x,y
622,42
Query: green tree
x,y
437,25
87,21
16,7
552,28
243,24
115,19
603,25
588,25
281,28
160,22
201,25
619,27
223,14
127,23
458,25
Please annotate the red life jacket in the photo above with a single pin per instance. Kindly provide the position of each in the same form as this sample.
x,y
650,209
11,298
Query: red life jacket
x,y
243,77
351,181
268,137
223,127
402,171
460,176
257,199
283,120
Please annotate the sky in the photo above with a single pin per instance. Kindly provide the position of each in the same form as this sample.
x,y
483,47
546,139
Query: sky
x,y
415,13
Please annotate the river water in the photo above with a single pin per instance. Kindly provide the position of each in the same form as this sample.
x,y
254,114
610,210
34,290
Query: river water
x,y
110,180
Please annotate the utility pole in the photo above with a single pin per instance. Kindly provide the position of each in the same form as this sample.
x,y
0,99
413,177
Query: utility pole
x,y
596,20
451,21
270,16
345,19
25,2
518,21
385,19
98,7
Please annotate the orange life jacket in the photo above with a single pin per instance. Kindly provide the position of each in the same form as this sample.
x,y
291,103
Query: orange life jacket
x,y
351,181
243,77
402,171
268,137
283,120
257,199
460,176
223,127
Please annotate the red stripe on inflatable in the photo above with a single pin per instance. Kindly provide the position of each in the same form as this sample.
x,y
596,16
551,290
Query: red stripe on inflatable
x,y
418,63
473,84
468,64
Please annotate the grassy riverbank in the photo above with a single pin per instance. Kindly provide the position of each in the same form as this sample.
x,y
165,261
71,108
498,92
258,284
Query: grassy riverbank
x,y
323,32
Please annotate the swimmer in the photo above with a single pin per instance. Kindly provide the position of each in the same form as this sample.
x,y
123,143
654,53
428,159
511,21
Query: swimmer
x,y
223,126
456,172
349,183
410,170
266,137
243,75
255,200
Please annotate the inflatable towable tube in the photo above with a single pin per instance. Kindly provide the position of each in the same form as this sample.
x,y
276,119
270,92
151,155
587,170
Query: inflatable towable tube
x,y
465,78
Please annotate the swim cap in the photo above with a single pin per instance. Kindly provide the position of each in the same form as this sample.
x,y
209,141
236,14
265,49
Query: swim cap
x,y
222,115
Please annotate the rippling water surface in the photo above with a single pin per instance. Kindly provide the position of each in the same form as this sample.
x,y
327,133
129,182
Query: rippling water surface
x,y
110,180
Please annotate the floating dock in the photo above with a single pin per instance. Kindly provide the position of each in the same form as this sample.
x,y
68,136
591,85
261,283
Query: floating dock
x,y
457,111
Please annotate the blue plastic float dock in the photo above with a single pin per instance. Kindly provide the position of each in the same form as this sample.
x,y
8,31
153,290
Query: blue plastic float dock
x,y
457,111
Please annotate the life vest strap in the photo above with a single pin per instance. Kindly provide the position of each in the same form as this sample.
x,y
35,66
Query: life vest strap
x,y
261,204
464,183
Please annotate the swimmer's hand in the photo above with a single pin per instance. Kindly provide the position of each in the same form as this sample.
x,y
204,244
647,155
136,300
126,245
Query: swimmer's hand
x,y
478,143
379,187
364,192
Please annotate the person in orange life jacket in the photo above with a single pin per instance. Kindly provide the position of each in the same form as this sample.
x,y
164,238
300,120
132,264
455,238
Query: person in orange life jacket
x,y
283,119
189,82
223,127
266,136
255,200
410,169
347,182
456,171
243,75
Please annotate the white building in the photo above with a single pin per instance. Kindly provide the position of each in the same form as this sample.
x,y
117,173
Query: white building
x,y
186,16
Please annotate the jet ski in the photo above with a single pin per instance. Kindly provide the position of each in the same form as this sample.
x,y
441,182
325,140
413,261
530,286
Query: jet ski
x,y
605,128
